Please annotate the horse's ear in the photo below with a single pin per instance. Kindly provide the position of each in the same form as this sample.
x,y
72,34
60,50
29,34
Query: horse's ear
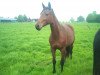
x,y
43,6
49,5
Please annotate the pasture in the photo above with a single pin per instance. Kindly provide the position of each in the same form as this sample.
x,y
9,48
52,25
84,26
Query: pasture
x,y
26,51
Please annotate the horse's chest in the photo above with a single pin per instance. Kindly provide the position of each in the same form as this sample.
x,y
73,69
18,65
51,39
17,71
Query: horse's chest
x,y
57,44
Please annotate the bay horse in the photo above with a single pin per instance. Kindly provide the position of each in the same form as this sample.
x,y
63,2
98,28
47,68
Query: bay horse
x,y
96,54
62,36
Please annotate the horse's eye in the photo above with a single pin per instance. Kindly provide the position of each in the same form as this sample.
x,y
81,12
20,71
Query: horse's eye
x,y
46,14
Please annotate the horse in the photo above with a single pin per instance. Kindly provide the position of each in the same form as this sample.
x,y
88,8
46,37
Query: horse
x,y
61,38
96,54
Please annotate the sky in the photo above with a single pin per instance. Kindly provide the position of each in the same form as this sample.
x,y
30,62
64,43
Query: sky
x,y
64,9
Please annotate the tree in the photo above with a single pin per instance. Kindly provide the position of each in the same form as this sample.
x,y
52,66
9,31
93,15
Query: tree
x,y
22,18
98,18
94,12
72,20
80,19
93,17
25,18
90,18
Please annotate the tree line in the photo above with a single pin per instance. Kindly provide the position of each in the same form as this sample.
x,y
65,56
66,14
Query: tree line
x,y
91,18
24,18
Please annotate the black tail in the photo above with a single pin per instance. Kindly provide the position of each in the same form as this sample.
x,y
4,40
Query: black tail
x,y
69,50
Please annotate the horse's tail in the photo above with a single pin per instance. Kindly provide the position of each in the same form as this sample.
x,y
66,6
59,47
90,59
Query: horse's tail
x,y
69,51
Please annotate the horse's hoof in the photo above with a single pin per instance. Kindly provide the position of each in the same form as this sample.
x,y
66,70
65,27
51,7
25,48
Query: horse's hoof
x,y
61,70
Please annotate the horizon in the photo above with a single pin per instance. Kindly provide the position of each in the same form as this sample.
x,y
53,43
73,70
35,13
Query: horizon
x,y
64,10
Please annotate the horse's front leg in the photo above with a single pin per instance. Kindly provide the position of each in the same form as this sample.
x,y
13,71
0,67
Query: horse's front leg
x,y
63,56
53,59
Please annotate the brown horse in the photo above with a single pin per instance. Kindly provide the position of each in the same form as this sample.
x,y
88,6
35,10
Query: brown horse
x,y
62,36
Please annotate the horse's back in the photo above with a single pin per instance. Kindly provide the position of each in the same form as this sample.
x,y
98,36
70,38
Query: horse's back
x,y
68,27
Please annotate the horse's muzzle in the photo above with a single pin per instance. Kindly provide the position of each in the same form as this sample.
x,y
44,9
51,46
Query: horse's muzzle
x,y
37,27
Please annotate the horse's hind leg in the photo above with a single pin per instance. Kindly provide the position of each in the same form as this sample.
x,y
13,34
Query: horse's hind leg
x,y
63,55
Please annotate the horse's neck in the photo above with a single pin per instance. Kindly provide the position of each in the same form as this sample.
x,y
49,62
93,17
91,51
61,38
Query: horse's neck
x,y
55,28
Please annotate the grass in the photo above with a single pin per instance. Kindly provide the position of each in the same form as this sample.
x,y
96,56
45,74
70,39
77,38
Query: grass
x,y
26,51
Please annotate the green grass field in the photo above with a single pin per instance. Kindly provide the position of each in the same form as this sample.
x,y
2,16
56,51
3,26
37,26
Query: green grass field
x,y
26,51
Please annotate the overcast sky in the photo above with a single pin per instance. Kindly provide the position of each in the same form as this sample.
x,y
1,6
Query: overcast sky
x,y
64,9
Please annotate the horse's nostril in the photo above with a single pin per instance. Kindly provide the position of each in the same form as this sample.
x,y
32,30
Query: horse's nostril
x,y
37,27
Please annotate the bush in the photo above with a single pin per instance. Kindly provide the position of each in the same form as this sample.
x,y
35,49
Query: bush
x,y
93,18
80,19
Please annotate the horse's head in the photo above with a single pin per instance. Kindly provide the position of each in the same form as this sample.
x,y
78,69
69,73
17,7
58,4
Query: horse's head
x,y
45,18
